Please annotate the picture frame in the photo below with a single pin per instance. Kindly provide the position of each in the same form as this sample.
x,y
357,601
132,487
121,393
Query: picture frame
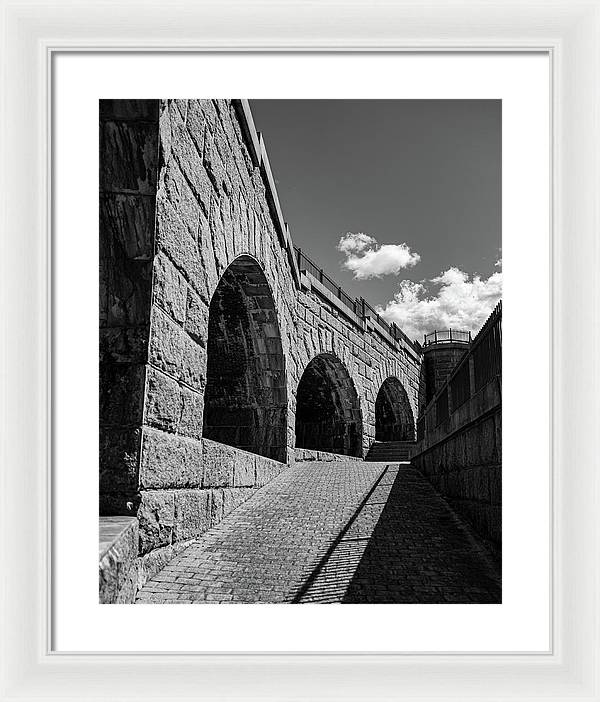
x,y
34,32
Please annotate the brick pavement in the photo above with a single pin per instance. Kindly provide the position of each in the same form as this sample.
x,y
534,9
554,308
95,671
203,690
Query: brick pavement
x,y
334,532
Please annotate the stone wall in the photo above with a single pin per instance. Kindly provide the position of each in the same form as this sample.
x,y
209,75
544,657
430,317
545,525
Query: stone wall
x,y
368,357
129,163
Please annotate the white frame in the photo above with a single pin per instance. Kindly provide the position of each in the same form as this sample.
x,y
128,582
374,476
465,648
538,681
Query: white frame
x,y
570,31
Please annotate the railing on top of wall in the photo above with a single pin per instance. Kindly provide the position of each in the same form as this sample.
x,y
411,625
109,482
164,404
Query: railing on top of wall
x,y
480,364
359,306
448,336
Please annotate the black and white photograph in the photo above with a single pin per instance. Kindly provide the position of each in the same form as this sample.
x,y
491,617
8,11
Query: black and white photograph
x,y
300,351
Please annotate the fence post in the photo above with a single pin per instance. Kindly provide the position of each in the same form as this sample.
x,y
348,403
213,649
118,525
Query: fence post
x,y
471,375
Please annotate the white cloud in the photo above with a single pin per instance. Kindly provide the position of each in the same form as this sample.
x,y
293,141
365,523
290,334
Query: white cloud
x,y
462,302
367,259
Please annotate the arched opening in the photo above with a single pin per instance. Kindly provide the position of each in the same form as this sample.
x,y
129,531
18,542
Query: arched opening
x,y
328,414
394,419
245,403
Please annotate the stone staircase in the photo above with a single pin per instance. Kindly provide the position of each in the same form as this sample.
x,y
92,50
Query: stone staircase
x,y
391,451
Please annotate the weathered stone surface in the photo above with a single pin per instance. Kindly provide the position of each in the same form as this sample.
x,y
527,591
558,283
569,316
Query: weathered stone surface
x,y
118,553
219,462
216,513
192,513
266,470
166,343
190,422
163,401
196,321
170,461
169,288
193,363
156,515
244,470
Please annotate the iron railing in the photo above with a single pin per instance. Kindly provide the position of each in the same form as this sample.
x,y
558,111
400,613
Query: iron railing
x,y
480,364
448,336
359,306
487,349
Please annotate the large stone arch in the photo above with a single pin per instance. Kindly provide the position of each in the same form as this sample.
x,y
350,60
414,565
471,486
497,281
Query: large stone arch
x,y
245,401
328,414
394,419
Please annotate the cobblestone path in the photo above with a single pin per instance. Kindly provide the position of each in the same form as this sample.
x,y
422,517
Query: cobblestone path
x,y
334,532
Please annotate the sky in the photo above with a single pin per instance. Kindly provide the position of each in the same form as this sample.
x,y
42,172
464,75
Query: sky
x,y
398,200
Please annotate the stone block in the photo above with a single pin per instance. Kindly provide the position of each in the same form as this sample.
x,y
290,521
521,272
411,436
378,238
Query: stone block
x,y
196,123
216,513
178,191
169,288
156,515
174,238
190,422
170,461
244,469
192,514
118,553
219,461
190,162
166,343
193,363
196,320
163,401
266,470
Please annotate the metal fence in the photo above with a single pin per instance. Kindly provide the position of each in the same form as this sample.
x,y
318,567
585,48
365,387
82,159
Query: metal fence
x,y
448,336
487,349
460,385
359,306
305,264
480,364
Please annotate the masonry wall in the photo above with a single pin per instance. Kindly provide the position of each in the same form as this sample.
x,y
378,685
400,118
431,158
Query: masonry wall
x,y
465,466
211,208
368,358
128,174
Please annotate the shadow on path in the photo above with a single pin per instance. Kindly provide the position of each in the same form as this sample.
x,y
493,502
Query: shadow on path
x,y
404,545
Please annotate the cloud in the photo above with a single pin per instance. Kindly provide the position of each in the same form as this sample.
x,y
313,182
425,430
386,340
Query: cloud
x,y
462,302
367,259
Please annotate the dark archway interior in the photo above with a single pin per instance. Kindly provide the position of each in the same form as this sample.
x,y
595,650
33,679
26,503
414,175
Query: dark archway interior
x,y
245,403
328,414
393,415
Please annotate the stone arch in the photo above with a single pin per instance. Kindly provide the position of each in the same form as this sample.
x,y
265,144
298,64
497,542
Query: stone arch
x,y
328,415
245,402
394,419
